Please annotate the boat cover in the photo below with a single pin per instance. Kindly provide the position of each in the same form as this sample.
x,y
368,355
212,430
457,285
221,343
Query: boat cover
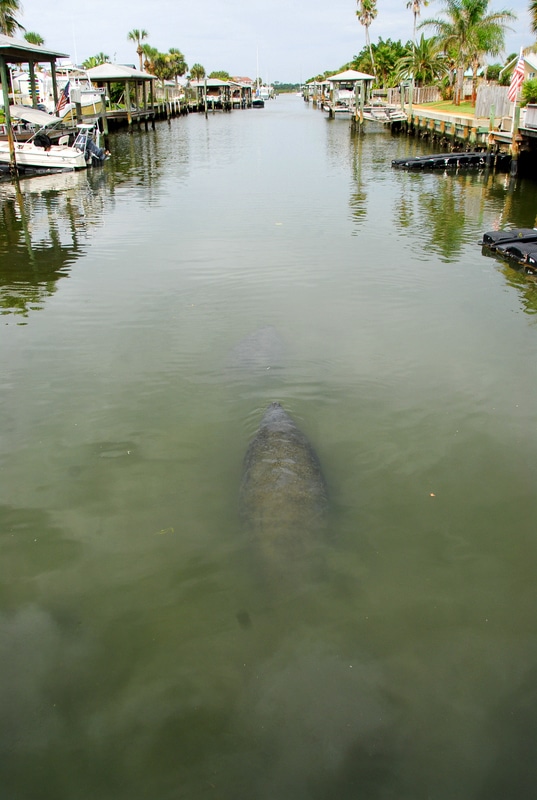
x,y
33,116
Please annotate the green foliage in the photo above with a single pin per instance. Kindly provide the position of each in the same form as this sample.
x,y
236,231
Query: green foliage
x,y
529,92
367,11
220,74
9,24
165,66
197,72
94,61
425,61
34,38
386,54
493,72
136,35
468,31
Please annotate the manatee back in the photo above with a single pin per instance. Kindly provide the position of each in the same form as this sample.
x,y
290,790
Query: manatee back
x,y
283,494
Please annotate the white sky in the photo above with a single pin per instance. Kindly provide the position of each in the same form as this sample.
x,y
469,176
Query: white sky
x,y
295,39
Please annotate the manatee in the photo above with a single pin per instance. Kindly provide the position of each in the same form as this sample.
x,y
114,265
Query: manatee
x,y
283,495
259,351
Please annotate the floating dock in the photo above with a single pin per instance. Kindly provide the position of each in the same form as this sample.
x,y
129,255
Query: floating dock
x,y
516,245
474,160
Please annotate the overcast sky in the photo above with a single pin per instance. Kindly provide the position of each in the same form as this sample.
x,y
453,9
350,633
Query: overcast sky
x,y
295,39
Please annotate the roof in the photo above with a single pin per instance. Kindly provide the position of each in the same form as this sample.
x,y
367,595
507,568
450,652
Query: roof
x,y
351,75
529,58
118,72
18,50
210,82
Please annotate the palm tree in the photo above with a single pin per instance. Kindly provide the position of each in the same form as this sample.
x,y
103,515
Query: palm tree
x,y
197,72
94,61
151,54
9,25
137,36
469,32
533,15
176,60
424,61
34,38
415,6
367,11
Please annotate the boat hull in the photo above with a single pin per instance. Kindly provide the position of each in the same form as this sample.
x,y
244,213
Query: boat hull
x,y
28,156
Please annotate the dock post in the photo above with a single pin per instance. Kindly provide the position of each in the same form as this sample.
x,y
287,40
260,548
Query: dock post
x,y
104,118
515,148
10,139
127,98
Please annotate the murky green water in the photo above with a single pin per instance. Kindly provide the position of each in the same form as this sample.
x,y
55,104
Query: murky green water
x,y
144,651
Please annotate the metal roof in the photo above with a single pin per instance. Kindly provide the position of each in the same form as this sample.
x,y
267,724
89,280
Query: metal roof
x,y
118,72
210,82
16,51
350,75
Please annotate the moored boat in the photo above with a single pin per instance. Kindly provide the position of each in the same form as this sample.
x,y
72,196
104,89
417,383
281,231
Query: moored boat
x,y
40,154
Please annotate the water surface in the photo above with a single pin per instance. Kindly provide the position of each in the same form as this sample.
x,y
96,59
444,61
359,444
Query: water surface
x,y
144,653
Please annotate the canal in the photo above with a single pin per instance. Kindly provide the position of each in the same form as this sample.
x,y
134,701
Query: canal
x,y
146,652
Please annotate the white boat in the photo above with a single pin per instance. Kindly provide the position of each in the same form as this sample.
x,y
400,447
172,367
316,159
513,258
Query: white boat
x,y
73,83
38,154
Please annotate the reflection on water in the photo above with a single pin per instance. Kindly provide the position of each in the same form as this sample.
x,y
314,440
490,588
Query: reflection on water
x,y
216,265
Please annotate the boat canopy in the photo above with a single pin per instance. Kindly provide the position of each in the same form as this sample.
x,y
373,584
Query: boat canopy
x,y
33,116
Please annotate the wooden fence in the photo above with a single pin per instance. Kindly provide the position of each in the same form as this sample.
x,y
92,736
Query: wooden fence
x,y
490,94
421,94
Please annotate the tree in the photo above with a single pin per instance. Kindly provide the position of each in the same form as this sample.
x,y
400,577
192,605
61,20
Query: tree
x,y
424,61
220,74
533,15
94,61
9,25
177,63
529,92
197,72
367,11
469,32
137,36
415,5
34,38
386,54
150,54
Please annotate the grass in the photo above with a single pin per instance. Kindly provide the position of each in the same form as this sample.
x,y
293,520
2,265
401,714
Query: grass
x,y
450,108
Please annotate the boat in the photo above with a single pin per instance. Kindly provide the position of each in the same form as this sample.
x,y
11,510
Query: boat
x,y
342,103
257,99
74,84
38,154
517,245
384,113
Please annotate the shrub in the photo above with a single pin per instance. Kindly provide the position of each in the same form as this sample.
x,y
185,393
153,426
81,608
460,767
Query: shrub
x,y
529,92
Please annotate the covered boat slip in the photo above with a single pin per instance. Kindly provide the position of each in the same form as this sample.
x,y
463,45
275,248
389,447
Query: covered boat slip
x,y
71,150
14,51
138,102
348,95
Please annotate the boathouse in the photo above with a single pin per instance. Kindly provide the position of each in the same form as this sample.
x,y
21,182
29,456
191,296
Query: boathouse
x,y
211,94
138,101
16,51
348,90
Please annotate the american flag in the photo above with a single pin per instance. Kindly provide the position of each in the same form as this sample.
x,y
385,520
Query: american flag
x,y
64,98
517,80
